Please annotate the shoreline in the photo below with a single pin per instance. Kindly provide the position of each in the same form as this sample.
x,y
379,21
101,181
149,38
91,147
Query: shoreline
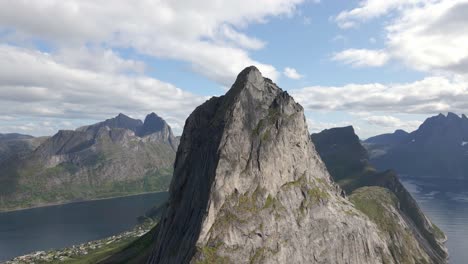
x,y
72,202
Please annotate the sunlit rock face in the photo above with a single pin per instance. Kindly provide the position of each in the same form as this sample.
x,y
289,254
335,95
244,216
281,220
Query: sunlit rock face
x,y
249,187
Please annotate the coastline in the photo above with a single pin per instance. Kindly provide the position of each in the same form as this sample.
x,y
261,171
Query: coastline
x,y
73,202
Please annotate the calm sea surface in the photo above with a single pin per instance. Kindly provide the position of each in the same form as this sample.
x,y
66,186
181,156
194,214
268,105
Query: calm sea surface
x,y
22,232
446,203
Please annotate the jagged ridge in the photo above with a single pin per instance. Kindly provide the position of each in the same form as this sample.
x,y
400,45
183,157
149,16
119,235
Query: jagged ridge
x,y
438,148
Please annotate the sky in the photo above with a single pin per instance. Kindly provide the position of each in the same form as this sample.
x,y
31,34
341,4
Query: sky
x,y
377,65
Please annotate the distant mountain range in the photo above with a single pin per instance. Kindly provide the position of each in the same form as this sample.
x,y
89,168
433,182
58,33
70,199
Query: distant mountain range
x,y
438,148
118,156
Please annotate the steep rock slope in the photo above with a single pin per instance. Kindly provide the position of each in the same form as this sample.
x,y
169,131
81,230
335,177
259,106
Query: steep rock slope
x,y
107,159
381,196
249,187
438,148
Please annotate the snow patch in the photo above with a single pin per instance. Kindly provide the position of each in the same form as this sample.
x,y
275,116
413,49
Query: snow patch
x,y
464,143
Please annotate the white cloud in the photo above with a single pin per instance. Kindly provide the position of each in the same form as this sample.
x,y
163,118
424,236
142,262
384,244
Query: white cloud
x,y
185,30
386,121
292,73
362,57
6,118
37,85
318,126
98,60
427,35
85,76
241,39
339,38
40,128
431,95
433,37
392,122
369,9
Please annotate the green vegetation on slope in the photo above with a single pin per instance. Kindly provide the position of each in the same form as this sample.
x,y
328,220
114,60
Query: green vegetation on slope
x,y
84,165
374,202
381,206
153,181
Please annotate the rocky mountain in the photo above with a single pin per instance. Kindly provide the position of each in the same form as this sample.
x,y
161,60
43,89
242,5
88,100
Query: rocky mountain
x,y
249,187
342,152
116,157
13,145
381,196
438,148
389,139
14,136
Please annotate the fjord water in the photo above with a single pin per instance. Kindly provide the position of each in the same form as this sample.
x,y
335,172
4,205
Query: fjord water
x,y
44,228
446,203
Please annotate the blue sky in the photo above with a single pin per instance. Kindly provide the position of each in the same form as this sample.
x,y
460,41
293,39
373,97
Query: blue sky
x,y
377,65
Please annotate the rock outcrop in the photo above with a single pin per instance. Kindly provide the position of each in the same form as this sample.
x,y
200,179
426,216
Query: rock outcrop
x,y
156,129
115,157
342,152
249,187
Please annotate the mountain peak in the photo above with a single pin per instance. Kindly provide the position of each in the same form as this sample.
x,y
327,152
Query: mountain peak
x,y
250,74
152,115
435,149
153,123
248,184
342,134
340,147
119,121
122,116
451,115
248,79
390,138
438,122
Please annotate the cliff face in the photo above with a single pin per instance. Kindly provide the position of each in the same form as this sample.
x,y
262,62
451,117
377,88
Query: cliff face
x,y
106,159
380,195
342,152
249,187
